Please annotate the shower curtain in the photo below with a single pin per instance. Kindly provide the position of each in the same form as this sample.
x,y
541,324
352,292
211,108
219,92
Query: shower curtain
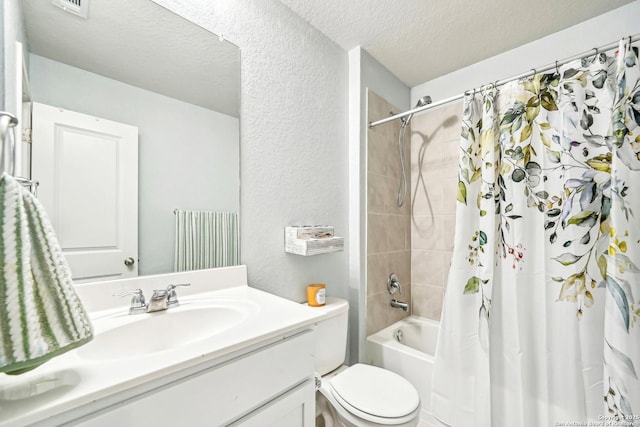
x,y
541,321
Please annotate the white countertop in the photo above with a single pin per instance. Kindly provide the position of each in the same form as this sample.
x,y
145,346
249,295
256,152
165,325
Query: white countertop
x,y
72,380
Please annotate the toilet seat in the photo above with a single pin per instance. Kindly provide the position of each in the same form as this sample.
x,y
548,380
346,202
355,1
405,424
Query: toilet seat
x,y
375,395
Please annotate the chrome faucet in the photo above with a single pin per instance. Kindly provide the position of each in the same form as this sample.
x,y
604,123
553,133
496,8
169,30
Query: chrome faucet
x,y
399,304
162,299
158,301
172,296
138,304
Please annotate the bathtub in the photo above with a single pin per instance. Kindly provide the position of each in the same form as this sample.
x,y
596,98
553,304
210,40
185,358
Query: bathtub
x,y
407,348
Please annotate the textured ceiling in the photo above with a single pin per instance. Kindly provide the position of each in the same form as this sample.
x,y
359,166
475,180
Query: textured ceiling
x,y
419,40
147,47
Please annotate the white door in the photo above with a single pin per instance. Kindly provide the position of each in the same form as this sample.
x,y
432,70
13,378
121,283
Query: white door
x,y
88,173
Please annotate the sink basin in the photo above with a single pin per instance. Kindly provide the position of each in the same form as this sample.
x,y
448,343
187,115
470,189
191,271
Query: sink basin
x,y
151,333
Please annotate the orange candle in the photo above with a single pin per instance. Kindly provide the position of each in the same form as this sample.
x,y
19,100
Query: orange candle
x,y
316,293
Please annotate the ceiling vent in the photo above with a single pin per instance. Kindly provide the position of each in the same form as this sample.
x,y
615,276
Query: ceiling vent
x,y
76,7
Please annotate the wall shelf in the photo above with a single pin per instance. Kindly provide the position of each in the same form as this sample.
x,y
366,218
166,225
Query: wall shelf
x,y
312,240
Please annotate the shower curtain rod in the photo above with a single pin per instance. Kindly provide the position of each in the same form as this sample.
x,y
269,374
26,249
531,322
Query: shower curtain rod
x,y
535,71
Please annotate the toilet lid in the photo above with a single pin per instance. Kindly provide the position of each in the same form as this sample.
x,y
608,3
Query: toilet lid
x,y
376,391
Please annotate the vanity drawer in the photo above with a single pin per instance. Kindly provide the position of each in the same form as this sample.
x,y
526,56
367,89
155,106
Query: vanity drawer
x,y
221,394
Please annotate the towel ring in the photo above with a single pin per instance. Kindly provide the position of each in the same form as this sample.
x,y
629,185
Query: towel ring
x,y
8,143
12,119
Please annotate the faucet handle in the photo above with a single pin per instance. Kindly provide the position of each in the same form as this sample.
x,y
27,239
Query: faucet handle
x,y
172,287
172,296
393,284
137,300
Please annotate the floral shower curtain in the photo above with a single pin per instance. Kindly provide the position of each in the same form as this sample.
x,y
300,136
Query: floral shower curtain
x,y
541,322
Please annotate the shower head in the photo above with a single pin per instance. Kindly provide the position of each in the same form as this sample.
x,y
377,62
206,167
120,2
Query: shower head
x,y
402,189
425,100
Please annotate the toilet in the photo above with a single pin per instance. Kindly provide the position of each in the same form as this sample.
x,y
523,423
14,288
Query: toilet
x,y
359,395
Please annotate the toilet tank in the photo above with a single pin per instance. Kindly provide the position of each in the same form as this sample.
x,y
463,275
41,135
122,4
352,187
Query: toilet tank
x,y
331,335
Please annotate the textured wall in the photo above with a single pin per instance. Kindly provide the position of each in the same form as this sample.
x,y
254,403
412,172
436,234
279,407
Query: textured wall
x,y
388,226
435,142
293,129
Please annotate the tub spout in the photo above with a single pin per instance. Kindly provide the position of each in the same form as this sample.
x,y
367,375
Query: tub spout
x,y
399,304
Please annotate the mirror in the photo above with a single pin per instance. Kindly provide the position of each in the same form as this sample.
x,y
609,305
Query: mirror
x,y
135,62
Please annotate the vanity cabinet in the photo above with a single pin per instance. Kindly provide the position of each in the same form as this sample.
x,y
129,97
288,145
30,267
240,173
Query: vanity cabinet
x,y
272,385
293,409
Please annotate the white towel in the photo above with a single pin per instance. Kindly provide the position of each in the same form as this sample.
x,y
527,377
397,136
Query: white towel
x,y
41,315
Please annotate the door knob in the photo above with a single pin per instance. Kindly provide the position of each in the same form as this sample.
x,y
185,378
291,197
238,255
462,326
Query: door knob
x,y
129,262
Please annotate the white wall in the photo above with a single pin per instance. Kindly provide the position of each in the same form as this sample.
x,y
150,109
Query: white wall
x,y
188,155
377,78
596,32
12,30
293,127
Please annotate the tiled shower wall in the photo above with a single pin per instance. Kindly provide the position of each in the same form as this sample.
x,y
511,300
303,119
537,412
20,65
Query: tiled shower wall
x,y
435,143
388,226
414,241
